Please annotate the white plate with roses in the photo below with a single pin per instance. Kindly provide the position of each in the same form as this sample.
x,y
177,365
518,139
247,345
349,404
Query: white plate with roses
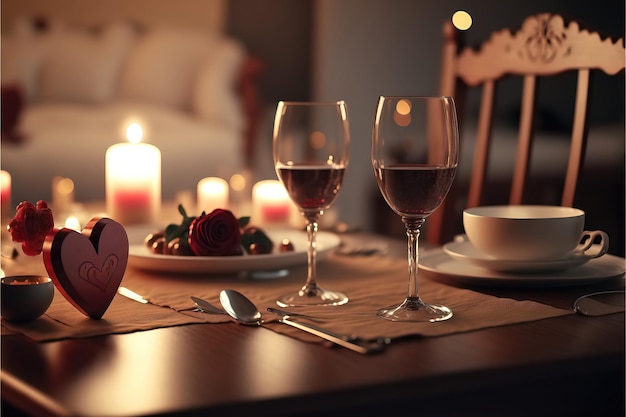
x,y
212,236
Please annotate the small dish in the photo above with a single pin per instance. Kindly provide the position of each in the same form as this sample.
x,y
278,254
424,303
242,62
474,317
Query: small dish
x,y
25,297
466,252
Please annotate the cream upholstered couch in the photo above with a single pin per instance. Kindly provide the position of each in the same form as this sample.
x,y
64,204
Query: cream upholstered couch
x,y
69,93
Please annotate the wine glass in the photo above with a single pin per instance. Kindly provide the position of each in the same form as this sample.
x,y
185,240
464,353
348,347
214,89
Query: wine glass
x,y
415,152
310,146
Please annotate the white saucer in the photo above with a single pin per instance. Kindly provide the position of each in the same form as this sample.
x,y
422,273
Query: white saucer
x,y
466,252
438,264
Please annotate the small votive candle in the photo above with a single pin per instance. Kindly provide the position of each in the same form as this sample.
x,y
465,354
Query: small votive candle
x,y
240,186
5,194
133,180
73,223
212,194
271,205
62,194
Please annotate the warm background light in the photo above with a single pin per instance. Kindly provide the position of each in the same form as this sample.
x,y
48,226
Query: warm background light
x,y
403,107
317,140
238,182
62,194
65,186
402,115
462,20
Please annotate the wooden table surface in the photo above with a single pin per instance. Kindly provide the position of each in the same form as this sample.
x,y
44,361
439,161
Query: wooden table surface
x,y
570,366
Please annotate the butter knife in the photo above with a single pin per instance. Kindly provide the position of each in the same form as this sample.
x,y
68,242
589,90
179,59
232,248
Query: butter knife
x,y
132,295
128,293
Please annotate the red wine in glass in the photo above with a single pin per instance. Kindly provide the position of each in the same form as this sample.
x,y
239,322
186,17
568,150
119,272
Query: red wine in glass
x,y
312,188
414,190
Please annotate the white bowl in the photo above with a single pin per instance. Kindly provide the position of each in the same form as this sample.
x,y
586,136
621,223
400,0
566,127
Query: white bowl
x,y
524,232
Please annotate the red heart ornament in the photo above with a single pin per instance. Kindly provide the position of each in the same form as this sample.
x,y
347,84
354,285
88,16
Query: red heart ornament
x,y
88,267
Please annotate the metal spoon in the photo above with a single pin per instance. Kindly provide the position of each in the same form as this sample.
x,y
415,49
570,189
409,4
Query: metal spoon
x,y
207,307
239,307
244,311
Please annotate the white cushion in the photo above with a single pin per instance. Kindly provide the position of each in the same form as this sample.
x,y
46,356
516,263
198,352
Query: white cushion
x,y
21,58
214,96
23,50
81,66
163,65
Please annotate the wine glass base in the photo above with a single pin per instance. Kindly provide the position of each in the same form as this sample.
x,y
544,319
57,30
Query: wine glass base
x,y
415,310
312,297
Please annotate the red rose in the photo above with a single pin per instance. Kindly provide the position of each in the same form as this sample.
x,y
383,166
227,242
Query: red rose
x,y
215,234
30,226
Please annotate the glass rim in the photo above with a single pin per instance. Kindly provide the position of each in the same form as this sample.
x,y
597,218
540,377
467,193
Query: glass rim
x,y
410,97
306,103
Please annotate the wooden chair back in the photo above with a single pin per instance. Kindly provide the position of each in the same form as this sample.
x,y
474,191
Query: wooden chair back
x,y
545,45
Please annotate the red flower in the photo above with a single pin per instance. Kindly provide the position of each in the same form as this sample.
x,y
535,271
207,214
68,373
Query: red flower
x,y
30,226
215,234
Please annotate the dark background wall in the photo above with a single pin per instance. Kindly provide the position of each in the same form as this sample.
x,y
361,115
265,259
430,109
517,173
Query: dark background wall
x,y
279,31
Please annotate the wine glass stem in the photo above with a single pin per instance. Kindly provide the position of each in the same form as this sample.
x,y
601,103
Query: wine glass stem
x,y
311,228
413,233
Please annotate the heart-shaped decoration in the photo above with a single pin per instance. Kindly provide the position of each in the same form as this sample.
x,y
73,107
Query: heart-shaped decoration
x,y
88,267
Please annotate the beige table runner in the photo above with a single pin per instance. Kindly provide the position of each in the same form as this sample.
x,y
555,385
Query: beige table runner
x,y
370,283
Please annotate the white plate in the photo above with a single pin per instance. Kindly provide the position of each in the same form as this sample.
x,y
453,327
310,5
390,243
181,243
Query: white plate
x,y
440,265
466,252
141,257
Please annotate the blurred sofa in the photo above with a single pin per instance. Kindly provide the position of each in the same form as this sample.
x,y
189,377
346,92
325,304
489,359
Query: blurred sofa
x,y
68,93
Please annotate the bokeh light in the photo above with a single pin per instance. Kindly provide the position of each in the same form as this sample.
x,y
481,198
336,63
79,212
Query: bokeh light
x,y
238,182
65,186
462,20
317,140
402,115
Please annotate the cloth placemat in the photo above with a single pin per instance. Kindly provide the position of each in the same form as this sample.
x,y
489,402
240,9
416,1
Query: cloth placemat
x,y
370,283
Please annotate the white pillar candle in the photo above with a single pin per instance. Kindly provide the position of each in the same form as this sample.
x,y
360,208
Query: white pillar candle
x,y
133,180
271,205
212,194
6,209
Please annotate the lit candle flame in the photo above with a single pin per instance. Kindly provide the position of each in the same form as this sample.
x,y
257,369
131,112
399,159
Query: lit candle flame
x,y
134,133
73,223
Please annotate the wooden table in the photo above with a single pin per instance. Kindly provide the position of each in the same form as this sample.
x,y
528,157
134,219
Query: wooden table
x,y
568,366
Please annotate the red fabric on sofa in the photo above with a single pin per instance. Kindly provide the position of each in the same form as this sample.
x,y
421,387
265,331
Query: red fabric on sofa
x,y
248,87
12,103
